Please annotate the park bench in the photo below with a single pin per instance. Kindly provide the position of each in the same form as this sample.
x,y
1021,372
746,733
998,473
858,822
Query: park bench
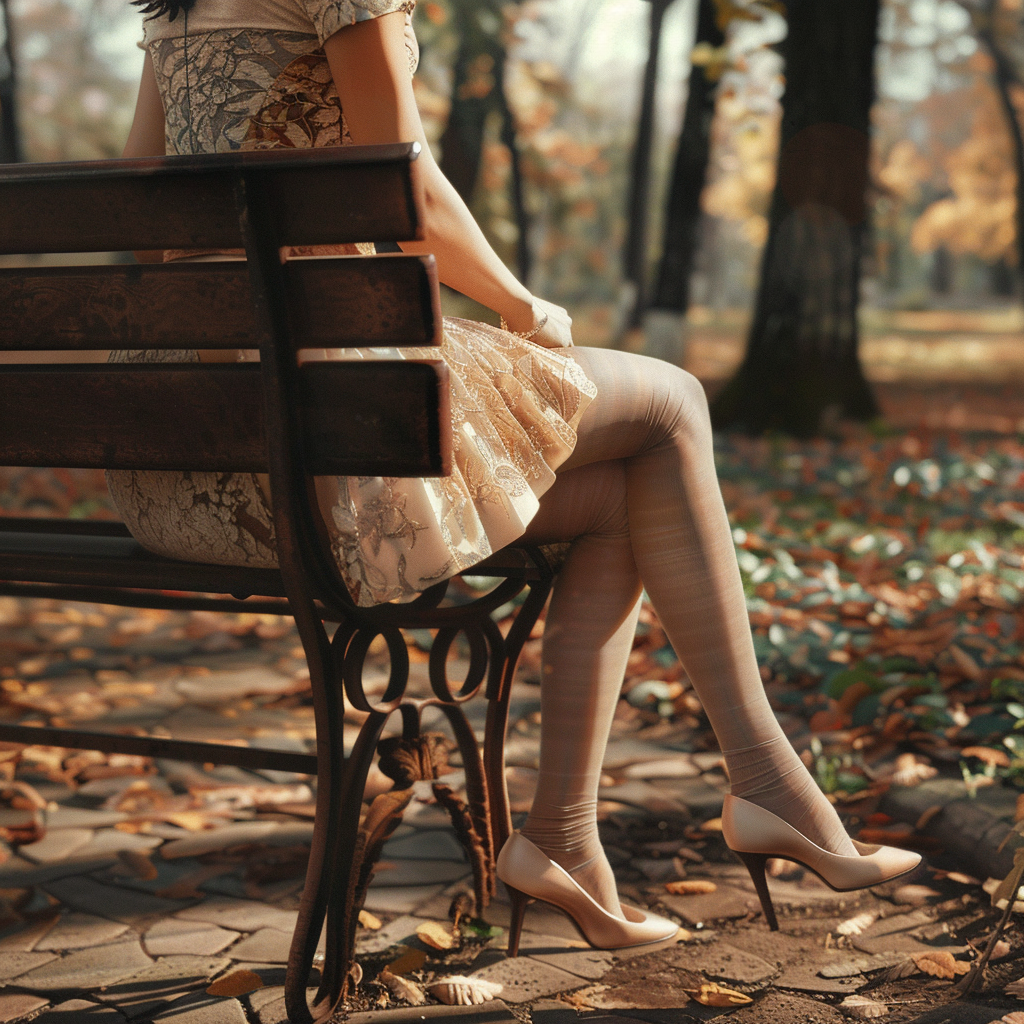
x,y
293,420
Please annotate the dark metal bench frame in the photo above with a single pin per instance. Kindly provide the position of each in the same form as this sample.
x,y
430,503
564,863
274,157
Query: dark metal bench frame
x,y
388,419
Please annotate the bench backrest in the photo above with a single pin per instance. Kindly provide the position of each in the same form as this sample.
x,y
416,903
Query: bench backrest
x,y
358,417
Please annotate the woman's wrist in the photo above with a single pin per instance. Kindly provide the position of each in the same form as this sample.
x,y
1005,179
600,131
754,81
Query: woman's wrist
x,y
519,315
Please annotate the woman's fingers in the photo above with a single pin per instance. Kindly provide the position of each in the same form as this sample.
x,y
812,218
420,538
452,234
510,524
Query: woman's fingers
x,y
557,330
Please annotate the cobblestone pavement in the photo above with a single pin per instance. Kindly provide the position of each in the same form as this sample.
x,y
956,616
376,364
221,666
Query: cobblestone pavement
x,y
162,892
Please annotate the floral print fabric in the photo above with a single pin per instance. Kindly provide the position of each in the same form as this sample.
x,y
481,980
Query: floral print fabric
x,y
514,404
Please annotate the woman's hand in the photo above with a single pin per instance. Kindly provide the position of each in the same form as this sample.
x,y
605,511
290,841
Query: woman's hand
x,y
557,331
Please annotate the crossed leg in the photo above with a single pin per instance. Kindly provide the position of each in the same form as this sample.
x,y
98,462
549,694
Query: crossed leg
x,y
640,502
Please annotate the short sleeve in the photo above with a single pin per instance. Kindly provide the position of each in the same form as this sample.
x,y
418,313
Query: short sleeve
x,y
328,16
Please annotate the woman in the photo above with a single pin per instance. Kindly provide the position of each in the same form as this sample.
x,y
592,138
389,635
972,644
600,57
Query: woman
x,y
635,490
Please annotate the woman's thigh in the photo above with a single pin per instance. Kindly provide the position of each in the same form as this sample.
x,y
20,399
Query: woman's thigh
x,y
640,402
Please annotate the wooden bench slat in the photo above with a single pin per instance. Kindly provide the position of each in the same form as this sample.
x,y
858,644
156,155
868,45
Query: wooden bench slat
x,y
189,202
97,560
338,302
364,418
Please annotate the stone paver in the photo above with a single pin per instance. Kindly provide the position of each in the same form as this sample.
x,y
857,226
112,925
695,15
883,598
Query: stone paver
x,y
805,977
399,899
240,915
218,687
393,932
113,901
236,833
163,982
19,873
77,931
495,1012
26,938
418,873
725,903
57,845
86,970
268,945
428,844
523,979
591,964
113,840
13,964
723,961
17,1004
172,935
896,934
202,1009
80,1011
80,817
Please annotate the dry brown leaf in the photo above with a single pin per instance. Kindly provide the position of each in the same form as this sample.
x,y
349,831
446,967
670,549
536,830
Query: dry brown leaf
x,y
194,821
989,755
689,886
410,960
237,983
940,964
368,920
961,879
711,825
355,972
462,991
856,925
436,935
862,1008
1015,988
1013,1017
402,988
914,894
904,969
926,816
710,993
138,863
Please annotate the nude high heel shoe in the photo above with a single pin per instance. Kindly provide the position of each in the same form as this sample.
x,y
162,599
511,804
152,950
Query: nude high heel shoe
x,y
529,873
754,835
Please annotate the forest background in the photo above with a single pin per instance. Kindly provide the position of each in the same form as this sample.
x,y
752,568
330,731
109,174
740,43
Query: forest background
x,y
536,107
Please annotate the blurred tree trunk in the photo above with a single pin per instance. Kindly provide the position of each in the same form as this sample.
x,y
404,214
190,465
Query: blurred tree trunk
x,y
478,89
689,169
664,318
1005,77
635,251
10,140
801,370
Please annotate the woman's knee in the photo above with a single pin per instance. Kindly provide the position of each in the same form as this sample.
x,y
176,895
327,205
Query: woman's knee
x,y
685,404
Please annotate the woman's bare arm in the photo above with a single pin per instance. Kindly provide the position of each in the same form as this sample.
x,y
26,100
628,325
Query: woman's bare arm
x,y
370,66
146,137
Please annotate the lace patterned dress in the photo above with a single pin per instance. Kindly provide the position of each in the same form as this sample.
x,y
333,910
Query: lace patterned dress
x,y
252,74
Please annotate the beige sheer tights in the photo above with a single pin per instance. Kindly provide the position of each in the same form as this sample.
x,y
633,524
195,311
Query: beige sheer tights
x,y
640,501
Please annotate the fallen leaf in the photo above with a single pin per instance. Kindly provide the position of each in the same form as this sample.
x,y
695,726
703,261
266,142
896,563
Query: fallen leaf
x,y
989,755
710,993
926,816
459,990
194,821
355,972
711,825
237,983
409,960
961,879
402,988
688,886
904,969
940,964
436,935
856,925
1013,1017
1015,988
367,920
138,863
862,1008
914,894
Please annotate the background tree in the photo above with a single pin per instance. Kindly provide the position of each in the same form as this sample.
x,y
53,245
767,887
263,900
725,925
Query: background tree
x,y
689,167
10,140
801,367
478,93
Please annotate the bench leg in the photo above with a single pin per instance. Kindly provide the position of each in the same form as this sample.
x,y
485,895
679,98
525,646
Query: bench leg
x,y
327,710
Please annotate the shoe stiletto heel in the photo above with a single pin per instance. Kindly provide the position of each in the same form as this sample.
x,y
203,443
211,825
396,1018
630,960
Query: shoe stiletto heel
x,y
528,873
756,864
517,901
754,835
